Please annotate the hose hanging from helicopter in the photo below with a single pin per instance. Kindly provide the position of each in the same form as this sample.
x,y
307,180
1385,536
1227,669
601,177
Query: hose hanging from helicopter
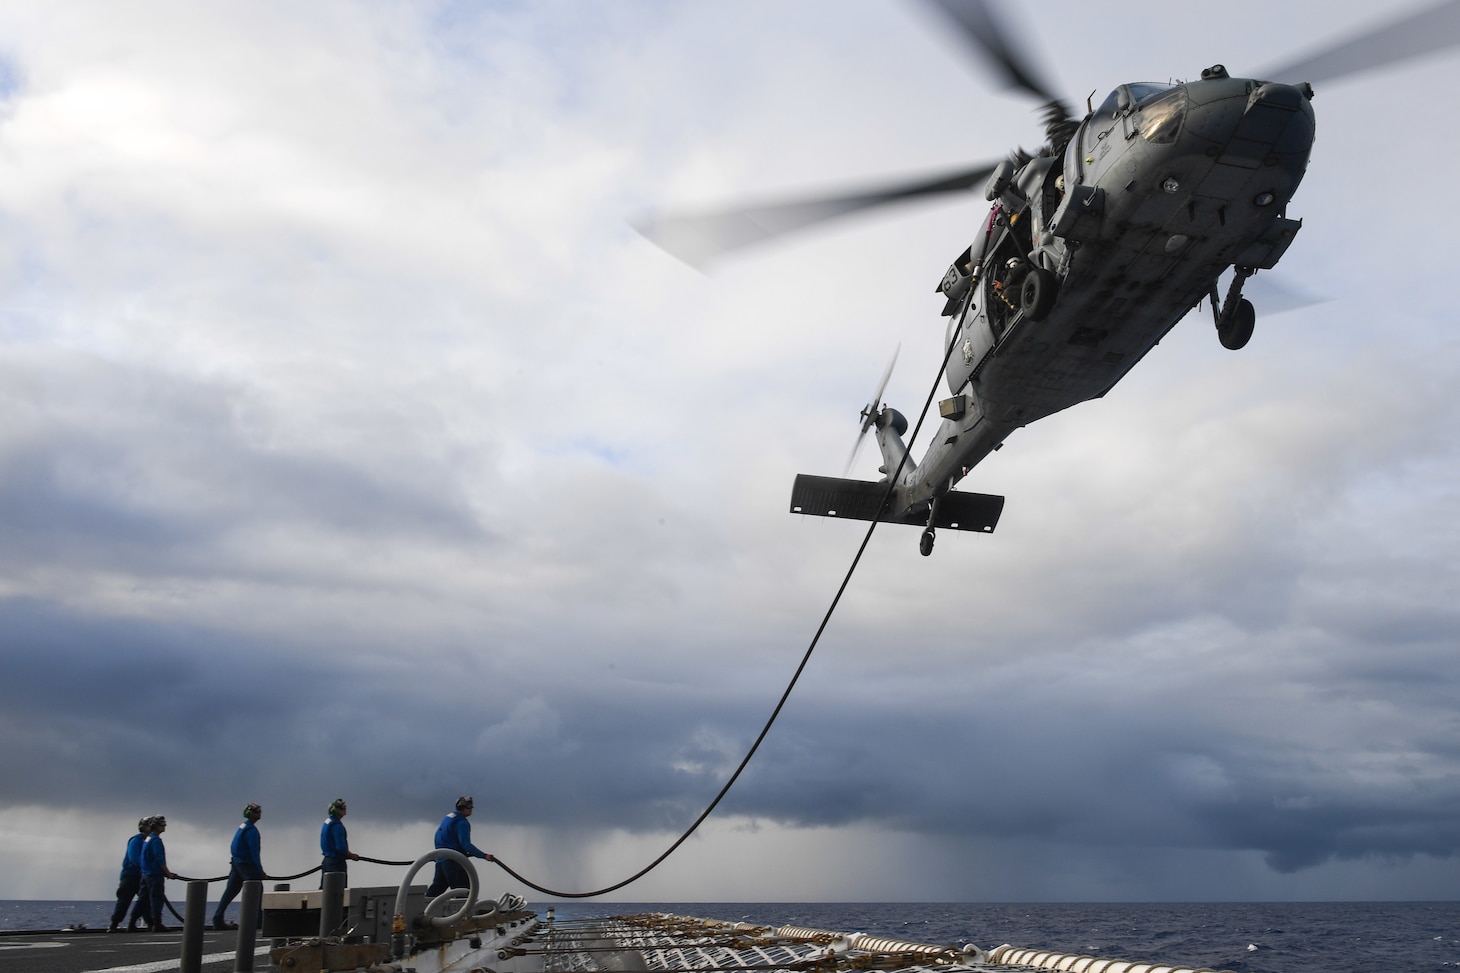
x,y
795,677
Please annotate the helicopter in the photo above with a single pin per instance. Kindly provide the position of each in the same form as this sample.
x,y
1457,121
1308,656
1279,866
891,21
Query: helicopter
x,y
1094,248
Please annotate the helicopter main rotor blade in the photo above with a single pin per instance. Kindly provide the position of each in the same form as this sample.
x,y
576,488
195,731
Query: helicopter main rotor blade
x,y
697,238
1425,32
992,41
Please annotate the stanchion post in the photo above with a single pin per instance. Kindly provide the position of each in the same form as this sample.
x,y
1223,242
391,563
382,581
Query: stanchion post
x,y
248,926
278,942
332,904
194,919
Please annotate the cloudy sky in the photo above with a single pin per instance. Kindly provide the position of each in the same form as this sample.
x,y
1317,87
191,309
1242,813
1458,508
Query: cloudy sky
x,y
353,444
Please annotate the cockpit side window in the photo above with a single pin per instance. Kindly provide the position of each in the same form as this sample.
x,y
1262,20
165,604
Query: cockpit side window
x,y
1099,124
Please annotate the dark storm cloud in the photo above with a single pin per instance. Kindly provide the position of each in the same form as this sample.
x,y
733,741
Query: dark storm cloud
x,y
1139,772
128,468
1296,837
99,710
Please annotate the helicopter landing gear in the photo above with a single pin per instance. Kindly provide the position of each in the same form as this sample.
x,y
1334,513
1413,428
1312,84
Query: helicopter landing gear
x,y
1236,316
1037,293
924,544
1238,331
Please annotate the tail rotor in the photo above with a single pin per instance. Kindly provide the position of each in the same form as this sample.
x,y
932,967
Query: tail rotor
x,y
871,410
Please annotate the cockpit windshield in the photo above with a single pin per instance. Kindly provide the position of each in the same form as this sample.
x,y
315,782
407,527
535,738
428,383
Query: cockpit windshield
x,y
1131,95
1159,115
1143,91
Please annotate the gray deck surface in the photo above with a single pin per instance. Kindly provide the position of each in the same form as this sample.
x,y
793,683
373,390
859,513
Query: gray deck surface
x,y
93,952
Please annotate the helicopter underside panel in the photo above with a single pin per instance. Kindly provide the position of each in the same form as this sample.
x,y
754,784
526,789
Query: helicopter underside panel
x,y
1087,346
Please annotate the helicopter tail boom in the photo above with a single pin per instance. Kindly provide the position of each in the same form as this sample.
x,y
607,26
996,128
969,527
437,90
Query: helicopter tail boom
x,y
830,496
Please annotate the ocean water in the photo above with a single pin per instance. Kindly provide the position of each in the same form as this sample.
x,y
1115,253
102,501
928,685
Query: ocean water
x,y
1282,937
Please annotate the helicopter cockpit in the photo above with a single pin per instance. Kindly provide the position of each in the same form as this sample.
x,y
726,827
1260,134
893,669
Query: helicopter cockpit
x,y
1150,109
1138,94
1154,105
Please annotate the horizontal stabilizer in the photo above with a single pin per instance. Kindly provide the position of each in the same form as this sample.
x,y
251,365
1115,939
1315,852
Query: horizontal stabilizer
x,y
830,496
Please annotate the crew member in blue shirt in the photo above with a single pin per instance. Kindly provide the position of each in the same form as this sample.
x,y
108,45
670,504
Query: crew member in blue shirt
x,y
130,883
334,842
155,872
245,865
455,833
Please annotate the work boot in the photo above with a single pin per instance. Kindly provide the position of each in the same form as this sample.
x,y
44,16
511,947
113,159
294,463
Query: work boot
x,y
132,926
112,927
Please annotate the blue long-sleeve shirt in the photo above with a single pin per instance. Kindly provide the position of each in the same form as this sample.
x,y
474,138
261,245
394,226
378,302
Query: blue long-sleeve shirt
x,y
132,860
455,833
334,842
154,856
245,847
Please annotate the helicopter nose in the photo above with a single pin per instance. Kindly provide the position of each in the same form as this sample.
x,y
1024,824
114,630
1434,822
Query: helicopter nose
x,y
1278,117
1274,127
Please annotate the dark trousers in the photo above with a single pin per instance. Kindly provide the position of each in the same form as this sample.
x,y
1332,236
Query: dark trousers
x,y
449,875
152,887
331,865
130,887
237,875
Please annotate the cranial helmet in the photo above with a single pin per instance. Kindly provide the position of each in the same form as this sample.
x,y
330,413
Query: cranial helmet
x,y
338,804
464,801
145,824
252,810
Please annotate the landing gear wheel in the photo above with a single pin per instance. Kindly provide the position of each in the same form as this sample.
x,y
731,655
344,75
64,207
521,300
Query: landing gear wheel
x,y
1037,294
1239,330
925,543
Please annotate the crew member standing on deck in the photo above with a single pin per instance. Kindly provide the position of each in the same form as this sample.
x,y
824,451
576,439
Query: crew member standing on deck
x,y
155,872
245,865
455,833
334,842
130,884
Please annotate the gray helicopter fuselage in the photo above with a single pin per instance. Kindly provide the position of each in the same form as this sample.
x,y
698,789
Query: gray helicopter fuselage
x,y
1160,191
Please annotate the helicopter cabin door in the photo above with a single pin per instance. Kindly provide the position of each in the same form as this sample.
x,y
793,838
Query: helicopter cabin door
x,y
973,338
